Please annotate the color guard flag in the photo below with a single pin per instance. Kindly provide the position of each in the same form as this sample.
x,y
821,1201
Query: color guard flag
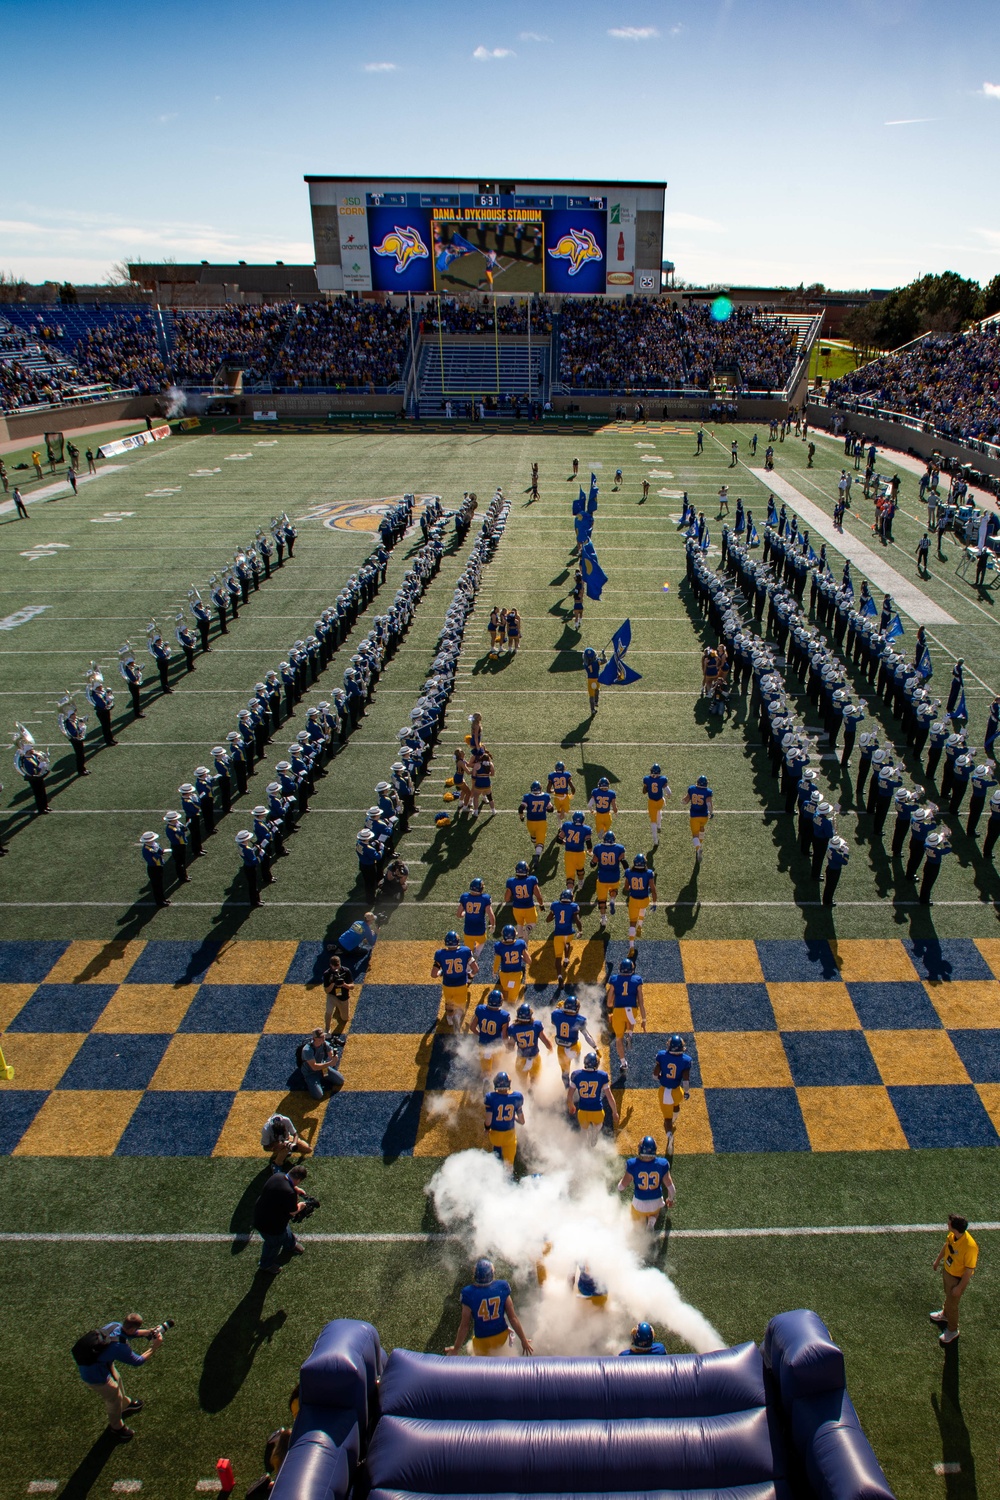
x,y
868,607
584,528
924,666
594,576
616,672
895,629
592,497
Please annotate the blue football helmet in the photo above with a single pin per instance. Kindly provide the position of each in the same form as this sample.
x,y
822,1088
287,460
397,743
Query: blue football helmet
x,y
676,1043
523,1010
560,766
571,1004
702,781
591,1060
451,940
476,885
483,1274
626,966
502,1083
654,769
578,819
642,1333
495,997
647,1147
609,836
567,895
536,786
604,784
509,933
521,868
639,863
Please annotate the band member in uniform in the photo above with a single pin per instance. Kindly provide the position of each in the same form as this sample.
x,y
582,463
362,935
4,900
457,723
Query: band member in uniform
x,y
33,765
160,652
102,701
222,763
75,730
202,615
220,598
132,673
177,837
185,640
155,856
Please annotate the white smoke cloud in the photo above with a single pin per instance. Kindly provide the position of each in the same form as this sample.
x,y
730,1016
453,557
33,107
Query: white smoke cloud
x,y
566,1215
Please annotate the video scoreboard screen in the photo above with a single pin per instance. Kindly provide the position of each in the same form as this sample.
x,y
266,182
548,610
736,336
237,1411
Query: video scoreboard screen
x,y
404,235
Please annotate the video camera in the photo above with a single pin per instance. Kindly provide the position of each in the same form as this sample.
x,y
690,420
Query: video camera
x,y
306,1207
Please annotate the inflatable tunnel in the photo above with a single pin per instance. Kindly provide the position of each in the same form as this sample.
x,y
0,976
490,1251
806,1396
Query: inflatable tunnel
x,y
749,1423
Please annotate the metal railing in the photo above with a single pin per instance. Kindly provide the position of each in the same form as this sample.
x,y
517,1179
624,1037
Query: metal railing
x,y
861,407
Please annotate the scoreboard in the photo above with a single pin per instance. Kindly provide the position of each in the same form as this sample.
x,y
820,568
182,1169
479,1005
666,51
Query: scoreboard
x,y
404,235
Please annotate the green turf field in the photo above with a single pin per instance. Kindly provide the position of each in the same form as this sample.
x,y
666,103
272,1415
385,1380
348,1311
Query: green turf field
x,y
126,550
842,359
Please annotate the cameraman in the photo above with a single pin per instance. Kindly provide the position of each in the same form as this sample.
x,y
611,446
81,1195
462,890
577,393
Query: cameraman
x,y
96,1355
280,1202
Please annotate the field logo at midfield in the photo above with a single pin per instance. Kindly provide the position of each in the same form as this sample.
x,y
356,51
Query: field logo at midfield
x,y
405,244
578,247
356,515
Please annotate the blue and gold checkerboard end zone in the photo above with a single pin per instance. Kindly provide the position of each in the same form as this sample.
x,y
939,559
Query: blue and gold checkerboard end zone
x,y
184,1048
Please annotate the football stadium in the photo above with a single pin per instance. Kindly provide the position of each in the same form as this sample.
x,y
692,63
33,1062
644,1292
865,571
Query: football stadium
x,y
561,920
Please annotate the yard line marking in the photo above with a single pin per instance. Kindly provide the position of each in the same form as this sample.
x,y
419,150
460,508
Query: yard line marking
x,y
212,1486
386,1237
126,1486
363,905
913,601
942,1469
43,1486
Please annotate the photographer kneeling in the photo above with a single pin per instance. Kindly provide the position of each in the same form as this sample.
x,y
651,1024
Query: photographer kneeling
x,y
318,1060
281,1201
280,1138
96,1355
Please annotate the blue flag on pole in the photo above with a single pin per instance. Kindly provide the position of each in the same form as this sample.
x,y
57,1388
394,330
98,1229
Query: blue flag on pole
x,y
706,540
592,497
895,629
992,726
868,607
772,512
580,503
924,666
753,540
584,528
616,672
959,711
812,554
594,576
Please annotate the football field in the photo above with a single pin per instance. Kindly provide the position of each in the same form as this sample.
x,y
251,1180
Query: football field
x,y
846,1083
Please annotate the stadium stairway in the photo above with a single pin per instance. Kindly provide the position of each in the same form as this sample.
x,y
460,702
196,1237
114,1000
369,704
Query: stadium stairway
x,y
748,1423
462,368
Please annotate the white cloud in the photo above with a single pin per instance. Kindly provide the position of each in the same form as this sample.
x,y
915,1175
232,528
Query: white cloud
x,y
534,36
991,90
633,33
486,54
693,222
921,120
383,67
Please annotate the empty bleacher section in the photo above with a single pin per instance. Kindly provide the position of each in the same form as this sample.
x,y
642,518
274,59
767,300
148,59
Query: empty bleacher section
x,y
658,347
951,381
343,345
459,370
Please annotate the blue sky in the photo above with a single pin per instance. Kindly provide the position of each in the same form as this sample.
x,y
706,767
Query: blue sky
x,y
853,142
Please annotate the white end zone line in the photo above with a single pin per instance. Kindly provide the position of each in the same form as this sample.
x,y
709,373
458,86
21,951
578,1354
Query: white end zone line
x,y
740,1232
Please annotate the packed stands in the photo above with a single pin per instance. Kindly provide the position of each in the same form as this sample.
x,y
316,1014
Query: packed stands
x,y
245,336
452,316
123,349
654,346
343,344
32,371
951,381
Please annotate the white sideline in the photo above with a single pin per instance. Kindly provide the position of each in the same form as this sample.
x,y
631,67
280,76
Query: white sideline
x,y
743,1232
906,596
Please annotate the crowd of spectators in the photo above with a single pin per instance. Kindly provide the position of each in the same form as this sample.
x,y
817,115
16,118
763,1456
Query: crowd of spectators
x,y
124,352
247,336
49,378
452,316
655,345
343,343
951,381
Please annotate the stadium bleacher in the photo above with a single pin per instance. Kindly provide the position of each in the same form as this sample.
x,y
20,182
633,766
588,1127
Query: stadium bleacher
x,y
656,346
343,344
949,380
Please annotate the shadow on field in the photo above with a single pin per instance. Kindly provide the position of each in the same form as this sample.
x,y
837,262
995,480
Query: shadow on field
x,y
448,849
241,1222
956,1445
88,1471
230,1355
443,1333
